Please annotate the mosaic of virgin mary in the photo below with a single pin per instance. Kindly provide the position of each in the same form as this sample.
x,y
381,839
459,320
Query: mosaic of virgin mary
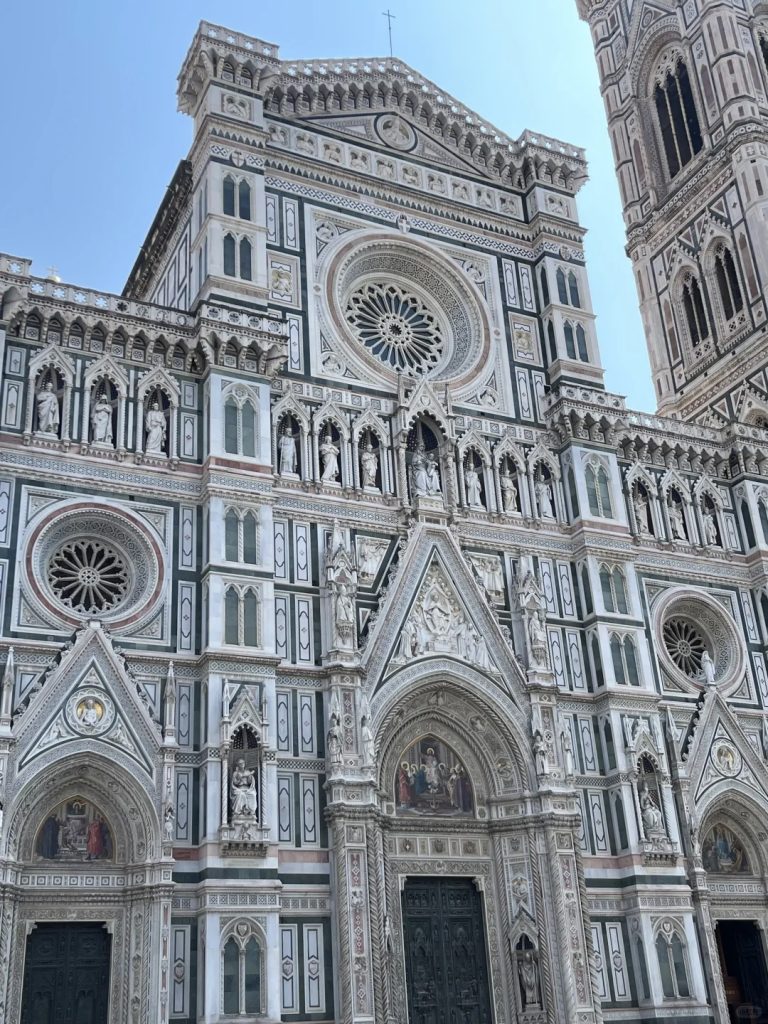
x,y
431,779
74,831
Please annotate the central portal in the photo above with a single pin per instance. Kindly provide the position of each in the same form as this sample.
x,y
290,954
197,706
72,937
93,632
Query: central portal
x,y
66,975
446,966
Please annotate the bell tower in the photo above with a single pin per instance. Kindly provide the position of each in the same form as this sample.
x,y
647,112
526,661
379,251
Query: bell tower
x,y
684,85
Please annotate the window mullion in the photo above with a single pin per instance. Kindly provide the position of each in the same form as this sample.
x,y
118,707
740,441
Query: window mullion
x,y
665,90
679,92
241,979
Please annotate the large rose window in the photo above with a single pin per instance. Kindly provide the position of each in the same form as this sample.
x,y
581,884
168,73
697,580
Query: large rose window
x,y
88,576
685,644
396,326
396,305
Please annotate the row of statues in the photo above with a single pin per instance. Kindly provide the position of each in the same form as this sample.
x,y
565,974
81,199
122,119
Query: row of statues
x,y
676,515
48,408
330,451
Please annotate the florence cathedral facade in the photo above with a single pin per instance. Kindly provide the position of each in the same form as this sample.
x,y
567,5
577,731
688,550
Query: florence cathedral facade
x,y
364,660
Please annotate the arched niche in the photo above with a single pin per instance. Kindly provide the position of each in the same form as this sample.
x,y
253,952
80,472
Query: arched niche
x,y
431,780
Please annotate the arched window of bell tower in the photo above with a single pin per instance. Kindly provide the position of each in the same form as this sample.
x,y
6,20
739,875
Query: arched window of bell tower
x,y
728,284
677,116
695,314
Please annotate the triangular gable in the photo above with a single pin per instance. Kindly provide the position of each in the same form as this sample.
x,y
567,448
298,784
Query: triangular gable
x,y
436,608
88,696
721,757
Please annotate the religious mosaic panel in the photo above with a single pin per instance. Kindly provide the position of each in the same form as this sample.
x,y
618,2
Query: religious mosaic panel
x,y
723,852
431,779
75,831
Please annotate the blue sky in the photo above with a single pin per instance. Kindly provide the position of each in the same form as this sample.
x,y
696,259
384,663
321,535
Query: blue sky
x,y
91,135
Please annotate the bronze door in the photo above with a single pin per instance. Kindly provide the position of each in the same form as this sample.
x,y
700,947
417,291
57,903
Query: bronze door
x,y
446,966
66,975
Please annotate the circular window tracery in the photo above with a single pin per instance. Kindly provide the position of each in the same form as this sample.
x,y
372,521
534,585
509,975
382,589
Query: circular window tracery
x,y
89,561
685,645
397,327
88,576
688,623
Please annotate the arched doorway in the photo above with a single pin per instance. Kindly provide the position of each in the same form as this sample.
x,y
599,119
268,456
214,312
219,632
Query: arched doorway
x,y
91,903
737,887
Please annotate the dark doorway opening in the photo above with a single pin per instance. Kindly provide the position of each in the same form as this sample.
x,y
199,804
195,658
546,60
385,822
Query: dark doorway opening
x,y
446,965
745,977
66,975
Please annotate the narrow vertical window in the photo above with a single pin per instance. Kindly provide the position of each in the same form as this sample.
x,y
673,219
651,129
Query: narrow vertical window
x,y
231,978
250,539
570,344
573,290
231,440
231,536
728,283
251,619
248,430
244,200
229,255
581,344
562,290
245,259
228,198
231,617
544,287
698,328
678,118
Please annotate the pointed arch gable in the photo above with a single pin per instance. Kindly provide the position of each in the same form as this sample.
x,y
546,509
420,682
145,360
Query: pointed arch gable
x,y
370,421
52,356
473,439
107,367
637,473
673,479
433,546
330,412
289,406
542,454
159,378
508,447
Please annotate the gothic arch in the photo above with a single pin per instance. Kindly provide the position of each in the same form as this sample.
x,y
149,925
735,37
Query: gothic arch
x,y
104,781
742,812
483,725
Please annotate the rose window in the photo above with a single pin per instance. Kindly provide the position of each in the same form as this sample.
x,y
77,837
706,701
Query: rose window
x,y
685,645
88,576
396,326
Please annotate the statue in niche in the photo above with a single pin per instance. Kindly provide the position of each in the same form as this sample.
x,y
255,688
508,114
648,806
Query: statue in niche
x,y
48,410
677,520
540,754
287,448
329,453
242,790
369,462
544,498
155,427
530,600
345,615
333,741
419,475
433,475
169,824
101,420
710,528
431,780
569,763
641,513
368,741
472,484
537,634
529,979
653,819
509,496
723,852
491,575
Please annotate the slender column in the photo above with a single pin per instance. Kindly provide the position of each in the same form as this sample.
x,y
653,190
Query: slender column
x,y
84,431
120,439
356,463
140,425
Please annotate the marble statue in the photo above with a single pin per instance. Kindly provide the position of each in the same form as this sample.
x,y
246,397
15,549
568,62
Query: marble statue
x,y
544,499
419,478
491,574
287,446
368,742
707,673
710,529
540,753
433,475
509,494
472,484
641,514
155,427
345,611
169,824
529,982
243,790
369,553
101,420
329,453
677,521
568,760
369,461
653,820
47,410
333,740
